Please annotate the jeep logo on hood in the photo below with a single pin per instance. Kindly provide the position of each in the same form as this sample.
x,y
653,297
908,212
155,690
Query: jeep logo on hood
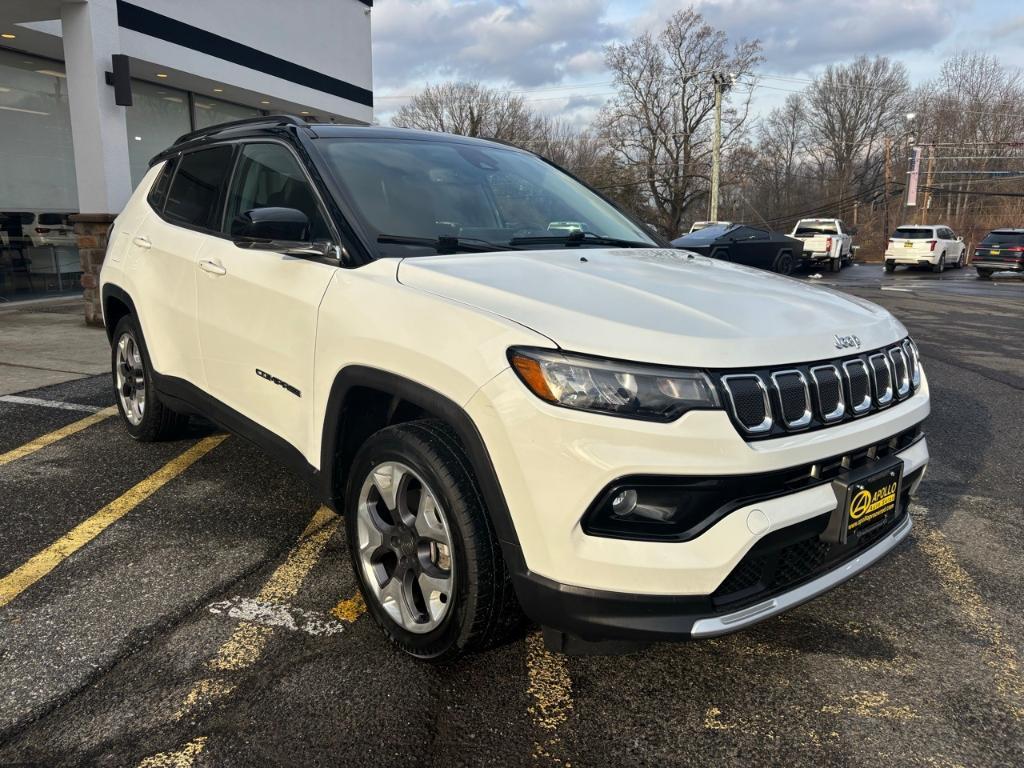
x,y
847,342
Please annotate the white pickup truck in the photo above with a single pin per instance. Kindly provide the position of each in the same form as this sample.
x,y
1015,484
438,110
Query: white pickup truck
x,y
826,241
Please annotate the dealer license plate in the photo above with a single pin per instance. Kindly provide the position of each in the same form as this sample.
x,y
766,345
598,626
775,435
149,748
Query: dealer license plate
x,y
873,499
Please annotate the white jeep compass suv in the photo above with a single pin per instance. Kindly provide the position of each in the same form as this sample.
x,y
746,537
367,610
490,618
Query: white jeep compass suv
x,y
624,441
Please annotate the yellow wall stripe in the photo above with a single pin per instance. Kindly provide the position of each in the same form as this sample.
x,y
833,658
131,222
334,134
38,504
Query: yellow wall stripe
x,y
17,581
59,434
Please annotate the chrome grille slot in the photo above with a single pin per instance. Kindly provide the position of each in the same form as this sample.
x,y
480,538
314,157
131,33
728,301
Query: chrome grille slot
x,y
794,398
858,384
881,376
828,391
901,372
748,398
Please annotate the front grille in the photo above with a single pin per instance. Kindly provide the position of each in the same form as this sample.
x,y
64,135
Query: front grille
x,y
768,403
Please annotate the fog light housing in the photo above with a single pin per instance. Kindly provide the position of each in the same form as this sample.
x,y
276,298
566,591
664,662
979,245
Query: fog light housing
x,y
653,510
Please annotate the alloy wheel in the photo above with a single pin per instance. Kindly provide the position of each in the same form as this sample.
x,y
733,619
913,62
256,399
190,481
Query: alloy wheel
x,y
130,374
405,547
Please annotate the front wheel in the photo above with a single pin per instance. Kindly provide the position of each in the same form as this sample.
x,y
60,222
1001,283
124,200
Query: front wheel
x,y
960,261
144,415
422,545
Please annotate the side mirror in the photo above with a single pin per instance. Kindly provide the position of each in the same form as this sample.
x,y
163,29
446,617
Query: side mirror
x,y
279,224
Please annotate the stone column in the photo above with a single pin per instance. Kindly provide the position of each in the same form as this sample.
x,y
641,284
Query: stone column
x,y
91,232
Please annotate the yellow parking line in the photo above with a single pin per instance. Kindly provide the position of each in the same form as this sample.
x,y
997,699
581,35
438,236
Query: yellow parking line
x,y
550,688
246,643
181,758
58,434
1001,655
18,580
349,609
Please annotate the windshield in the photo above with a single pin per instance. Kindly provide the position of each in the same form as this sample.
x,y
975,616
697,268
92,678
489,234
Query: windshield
x,y
913,233
810,230
432,189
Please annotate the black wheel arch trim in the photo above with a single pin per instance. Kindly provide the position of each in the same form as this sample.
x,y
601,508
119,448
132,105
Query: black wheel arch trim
x,y
111,291
433,402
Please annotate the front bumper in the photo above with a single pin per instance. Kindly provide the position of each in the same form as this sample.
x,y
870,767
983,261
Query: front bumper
x,y
551,464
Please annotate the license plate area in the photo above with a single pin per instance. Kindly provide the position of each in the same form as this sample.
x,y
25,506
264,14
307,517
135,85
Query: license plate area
x,y
865,499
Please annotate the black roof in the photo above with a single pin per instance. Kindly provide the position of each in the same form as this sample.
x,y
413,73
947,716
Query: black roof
x,y
1008,231
270,124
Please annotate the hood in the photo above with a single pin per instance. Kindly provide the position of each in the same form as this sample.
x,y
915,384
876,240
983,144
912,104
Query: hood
x,y
656,305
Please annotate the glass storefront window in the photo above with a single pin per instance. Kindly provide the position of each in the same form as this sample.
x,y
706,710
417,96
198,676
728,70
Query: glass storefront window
x,y
157,117
38,254
211,111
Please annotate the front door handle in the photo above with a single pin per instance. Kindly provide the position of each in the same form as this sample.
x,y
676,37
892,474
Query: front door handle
x,y
142,241
212,267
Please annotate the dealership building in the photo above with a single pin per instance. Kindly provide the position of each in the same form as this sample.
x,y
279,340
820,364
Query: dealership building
x,y
70,155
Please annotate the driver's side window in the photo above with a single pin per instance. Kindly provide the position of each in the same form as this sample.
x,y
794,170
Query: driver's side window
x,y
269,176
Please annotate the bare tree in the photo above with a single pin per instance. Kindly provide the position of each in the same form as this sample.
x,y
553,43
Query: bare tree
x,y
468,109
660,120
851,109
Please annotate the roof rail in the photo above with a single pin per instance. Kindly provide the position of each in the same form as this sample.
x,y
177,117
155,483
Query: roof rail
x,y
261,120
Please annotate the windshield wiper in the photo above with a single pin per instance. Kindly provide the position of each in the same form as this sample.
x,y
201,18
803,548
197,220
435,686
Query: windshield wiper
x,y
580,238
448,243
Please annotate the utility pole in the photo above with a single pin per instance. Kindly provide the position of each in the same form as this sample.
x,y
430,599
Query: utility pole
x,y
856,205
923,213
722,82
885,193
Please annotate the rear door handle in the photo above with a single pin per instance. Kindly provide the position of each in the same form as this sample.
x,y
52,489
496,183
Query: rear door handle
x,y
142,242
212,267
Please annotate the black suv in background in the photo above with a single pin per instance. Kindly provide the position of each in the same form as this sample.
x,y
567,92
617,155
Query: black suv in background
x,y
1001,250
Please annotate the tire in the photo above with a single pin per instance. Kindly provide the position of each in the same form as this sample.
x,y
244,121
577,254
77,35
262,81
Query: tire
x,y
960,261
834,265
890,266
472,605
938,268
784,263
984,274
147,419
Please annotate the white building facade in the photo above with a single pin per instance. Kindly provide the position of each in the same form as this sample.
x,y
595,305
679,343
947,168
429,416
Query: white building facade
x,y
66,148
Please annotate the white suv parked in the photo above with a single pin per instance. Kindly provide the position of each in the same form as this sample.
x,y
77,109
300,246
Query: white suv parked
x,y
623,441
925,245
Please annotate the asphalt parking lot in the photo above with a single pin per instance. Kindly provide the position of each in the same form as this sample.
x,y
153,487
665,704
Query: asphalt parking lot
x,y
188,603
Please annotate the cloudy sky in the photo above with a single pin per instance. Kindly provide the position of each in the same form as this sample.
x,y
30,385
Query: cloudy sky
x,y
551,50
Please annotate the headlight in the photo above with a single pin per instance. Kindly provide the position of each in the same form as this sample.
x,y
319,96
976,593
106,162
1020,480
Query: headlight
x,y
632,390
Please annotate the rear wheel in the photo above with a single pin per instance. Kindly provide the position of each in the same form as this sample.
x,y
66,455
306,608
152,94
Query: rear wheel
x,y
834,265
984,274
890,266
144,415
424,552
784,263
941,264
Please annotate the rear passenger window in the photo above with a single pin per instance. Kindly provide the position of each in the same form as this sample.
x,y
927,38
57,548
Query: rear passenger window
x,y
158,194
195,192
